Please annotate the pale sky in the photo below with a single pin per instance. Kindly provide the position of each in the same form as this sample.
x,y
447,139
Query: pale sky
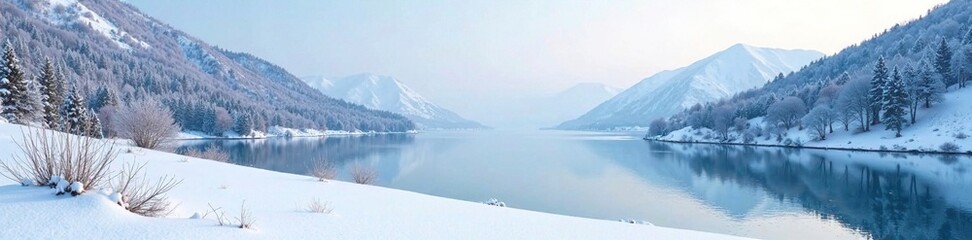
x,y
476,57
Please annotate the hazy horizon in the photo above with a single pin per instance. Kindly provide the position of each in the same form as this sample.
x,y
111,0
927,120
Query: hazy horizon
x,y
497,53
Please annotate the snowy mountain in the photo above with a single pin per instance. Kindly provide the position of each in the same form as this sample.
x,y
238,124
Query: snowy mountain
x,y
736,69
388,94
110,45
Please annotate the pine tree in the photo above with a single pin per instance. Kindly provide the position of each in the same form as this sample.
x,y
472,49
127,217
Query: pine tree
x,y
895,102
106,97
943,62
92,126
53,97
876,94
76,113
930,89
13,87
35,102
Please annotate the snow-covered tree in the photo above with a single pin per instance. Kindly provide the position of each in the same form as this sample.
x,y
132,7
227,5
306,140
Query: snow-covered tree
x,y
147,122
943,62
105,97
786,112
912,86
34,102
819,120
76,113
853,101
52,89
930,88
93,127
658,127
876,93
722,120
13,87
895,102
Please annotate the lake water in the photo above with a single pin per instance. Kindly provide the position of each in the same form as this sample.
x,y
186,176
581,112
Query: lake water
x,y
770,193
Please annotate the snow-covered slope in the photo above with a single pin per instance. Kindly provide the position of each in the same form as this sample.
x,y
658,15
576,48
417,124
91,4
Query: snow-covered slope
x,y
388,94
275,201
733,70
946,122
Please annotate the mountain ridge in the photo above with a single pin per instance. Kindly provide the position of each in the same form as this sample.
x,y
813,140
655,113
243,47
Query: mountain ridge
x,y
735,69
387,93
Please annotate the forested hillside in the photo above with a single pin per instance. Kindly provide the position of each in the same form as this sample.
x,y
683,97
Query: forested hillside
x,y
106,47
882,84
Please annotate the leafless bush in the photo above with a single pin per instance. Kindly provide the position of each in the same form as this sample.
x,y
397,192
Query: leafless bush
x,y
219,213
949,147
210,152
245,219
147,122
363,174
141,197
316,206
323,169
74,158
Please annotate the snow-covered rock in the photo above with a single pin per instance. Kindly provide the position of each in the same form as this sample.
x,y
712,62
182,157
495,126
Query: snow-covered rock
x,y
388,94
721,75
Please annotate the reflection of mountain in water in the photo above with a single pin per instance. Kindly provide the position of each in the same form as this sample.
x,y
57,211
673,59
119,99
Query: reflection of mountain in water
x,y
886,196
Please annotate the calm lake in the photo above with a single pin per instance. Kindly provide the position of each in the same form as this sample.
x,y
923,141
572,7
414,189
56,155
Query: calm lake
x,y
770,193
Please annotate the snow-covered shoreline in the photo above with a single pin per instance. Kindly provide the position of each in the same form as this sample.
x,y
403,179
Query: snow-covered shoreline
x,y
276,200
945,123
278,132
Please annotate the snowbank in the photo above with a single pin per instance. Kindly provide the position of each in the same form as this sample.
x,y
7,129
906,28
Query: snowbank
x,y
276,201
946,122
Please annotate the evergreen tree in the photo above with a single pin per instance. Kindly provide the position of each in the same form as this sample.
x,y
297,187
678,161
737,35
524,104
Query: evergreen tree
x,y
53,96
844,78
943,62
92,126
244,124
106,97
34,102
876,94
76,112
13,87
930,89
895,102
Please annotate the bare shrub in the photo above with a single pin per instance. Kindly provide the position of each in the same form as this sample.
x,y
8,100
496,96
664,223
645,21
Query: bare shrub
x,y
363,174
316,206
949,147
961,135
147,122
210,152
141,197
245,219
218,213
324,169
73,158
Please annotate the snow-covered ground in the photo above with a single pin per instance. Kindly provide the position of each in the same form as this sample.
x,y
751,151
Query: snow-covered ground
x,y
276,201
946,122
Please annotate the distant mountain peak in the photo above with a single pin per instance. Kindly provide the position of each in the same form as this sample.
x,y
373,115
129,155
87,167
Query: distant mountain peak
x,y
735,69
387,93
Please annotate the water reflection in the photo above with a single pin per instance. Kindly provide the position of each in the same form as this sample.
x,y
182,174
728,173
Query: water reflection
x,y
885,196
771,193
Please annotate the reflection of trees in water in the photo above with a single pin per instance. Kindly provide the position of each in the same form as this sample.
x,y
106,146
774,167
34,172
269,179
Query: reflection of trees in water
x,y
296,155
889,202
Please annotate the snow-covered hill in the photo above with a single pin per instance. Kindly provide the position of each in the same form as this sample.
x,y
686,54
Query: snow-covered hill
x,y
946,122
738,68
388,94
